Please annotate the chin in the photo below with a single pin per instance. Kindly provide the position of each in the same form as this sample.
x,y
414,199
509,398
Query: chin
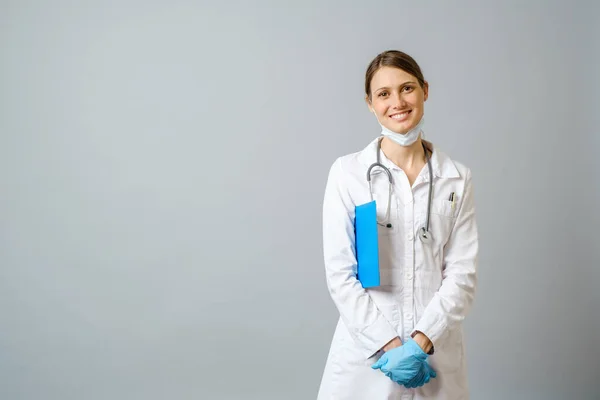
x,y
401,128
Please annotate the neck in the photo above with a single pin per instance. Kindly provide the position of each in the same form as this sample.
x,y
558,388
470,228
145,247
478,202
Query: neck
x,y
405,157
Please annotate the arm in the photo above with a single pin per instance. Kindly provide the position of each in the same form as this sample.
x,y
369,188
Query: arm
x,y
453,300
366,324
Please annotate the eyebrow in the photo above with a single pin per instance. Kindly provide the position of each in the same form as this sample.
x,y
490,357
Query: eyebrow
x,y
404,84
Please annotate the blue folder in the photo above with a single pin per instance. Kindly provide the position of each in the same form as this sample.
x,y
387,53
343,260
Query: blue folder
x,y
367,245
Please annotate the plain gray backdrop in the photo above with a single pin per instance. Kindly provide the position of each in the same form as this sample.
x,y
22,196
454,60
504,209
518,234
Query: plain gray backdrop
x,y
162,168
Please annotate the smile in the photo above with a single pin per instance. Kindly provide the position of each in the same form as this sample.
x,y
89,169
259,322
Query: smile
x,y
400,116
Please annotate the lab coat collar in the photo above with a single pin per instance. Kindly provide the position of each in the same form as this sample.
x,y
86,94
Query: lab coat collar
x,y
441,164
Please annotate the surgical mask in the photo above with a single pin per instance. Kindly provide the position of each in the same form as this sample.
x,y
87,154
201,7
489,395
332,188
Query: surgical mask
x,y
405,139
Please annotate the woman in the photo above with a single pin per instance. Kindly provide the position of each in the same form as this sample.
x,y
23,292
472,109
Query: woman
x,y
402,339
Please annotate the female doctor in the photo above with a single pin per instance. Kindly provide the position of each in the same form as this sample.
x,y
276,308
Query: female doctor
x,y
402,339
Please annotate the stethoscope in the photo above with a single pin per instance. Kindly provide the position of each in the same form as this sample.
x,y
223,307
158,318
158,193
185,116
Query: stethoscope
x,y
424,233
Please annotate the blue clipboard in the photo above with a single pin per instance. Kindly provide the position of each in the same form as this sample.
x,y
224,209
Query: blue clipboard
x,y
367,244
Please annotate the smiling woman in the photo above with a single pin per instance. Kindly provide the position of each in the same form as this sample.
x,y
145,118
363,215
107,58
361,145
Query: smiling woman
x,y
396,90
403,337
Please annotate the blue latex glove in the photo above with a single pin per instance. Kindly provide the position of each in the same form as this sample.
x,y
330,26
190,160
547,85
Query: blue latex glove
x,y
423,376
404,364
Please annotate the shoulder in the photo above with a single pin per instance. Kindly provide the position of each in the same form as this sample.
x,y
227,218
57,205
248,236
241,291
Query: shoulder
x,y
347,162
354,163
463,170
342,168
450,167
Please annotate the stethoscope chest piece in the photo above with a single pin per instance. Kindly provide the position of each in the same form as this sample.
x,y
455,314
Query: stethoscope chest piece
x,y
425,235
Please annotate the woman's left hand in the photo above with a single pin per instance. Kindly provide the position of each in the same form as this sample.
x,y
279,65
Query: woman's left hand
x,y
423,342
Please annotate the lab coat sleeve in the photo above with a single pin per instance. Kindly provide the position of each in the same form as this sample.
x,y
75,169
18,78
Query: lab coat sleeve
x,y
365,322
451,303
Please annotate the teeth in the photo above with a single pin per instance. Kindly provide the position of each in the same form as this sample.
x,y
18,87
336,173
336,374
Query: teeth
x,y
398,116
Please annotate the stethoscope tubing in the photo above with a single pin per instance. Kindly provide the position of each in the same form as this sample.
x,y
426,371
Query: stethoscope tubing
x,y
424,233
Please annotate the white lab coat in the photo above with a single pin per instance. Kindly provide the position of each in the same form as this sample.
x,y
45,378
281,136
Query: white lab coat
x,y
424,287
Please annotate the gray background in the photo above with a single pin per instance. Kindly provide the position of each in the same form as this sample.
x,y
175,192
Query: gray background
x,y
162,167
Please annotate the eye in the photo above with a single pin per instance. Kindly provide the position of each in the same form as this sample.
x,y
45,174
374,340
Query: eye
x,y
382,94
408,88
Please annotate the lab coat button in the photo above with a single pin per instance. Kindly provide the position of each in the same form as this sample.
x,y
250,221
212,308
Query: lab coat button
x,y
409,236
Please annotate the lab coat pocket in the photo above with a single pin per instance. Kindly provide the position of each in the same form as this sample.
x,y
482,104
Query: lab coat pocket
x,y
442,222
352,354
444,208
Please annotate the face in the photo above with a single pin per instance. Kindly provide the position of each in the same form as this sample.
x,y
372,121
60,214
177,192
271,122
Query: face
x,y
397,99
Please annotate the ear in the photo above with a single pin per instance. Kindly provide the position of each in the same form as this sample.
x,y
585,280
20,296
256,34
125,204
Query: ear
x,y
426,90
368,101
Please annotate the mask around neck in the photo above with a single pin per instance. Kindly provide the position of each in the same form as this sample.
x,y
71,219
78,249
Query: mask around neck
x,y
407,138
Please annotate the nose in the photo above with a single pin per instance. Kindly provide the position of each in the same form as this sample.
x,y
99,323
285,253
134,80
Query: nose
x,y
398,100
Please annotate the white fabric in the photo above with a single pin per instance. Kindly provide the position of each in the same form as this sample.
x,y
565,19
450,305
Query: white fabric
x,y
424,287
403,139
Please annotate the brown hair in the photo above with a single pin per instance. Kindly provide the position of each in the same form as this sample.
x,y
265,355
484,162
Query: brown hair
x,y
396,59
